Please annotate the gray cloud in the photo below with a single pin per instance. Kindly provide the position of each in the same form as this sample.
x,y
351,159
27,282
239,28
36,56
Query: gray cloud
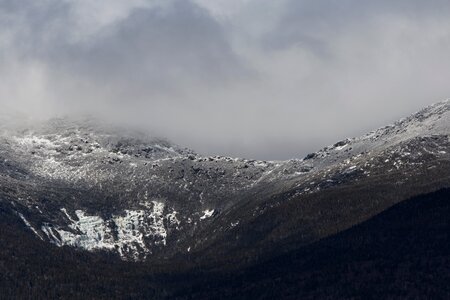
x,y
260,79
156,49
312,23
152,50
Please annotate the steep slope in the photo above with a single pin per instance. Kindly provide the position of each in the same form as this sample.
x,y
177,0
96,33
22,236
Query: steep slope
x,y
403,253
88,186
345,184
77,184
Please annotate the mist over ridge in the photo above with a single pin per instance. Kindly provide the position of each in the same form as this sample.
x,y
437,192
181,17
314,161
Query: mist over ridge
x,y
251,78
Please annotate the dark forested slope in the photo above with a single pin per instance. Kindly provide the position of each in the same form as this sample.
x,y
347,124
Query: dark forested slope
x,y
403,252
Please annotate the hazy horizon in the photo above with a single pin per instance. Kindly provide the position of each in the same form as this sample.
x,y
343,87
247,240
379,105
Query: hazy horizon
x,y
257,79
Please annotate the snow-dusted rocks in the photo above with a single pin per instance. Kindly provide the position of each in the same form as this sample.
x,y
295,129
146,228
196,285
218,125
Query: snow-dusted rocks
x,y
132,234
140,197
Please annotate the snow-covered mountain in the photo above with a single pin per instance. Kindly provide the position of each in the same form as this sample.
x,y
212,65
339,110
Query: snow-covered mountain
x,y
88,186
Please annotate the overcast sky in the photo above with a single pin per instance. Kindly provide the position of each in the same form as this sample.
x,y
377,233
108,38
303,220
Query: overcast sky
x,y
251,78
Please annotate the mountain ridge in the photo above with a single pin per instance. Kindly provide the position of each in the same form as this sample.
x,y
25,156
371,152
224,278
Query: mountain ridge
x,y
145,198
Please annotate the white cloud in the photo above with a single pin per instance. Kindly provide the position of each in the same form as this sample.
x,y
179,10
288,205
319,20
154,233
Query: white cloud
x,y
254,78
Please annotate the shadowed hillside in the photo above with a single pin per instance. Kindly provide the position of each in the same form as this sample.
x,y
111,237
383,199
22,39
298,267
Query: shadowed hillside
x,y
403,252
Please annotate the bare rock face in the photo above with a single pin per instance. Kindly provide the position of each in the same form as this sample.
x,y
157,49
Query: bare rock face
x,y
78,184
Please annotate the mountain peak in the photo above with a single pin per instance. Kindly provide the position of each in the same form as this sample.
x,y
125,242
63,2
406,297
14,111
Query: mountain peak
x,y
95,187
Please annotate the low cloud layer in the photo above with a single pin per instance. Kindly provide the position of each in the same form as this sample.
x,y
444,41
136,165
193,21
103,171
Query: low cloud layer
x,y
253,78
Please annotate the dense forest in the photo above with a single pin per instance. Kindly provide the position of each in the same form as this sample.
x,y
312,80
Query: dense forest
x,y
404,252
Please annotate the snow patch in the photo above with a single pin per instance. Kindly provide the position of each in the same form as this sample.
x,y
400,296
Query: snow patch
x,y
207,214
25,221
130,234
339,148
